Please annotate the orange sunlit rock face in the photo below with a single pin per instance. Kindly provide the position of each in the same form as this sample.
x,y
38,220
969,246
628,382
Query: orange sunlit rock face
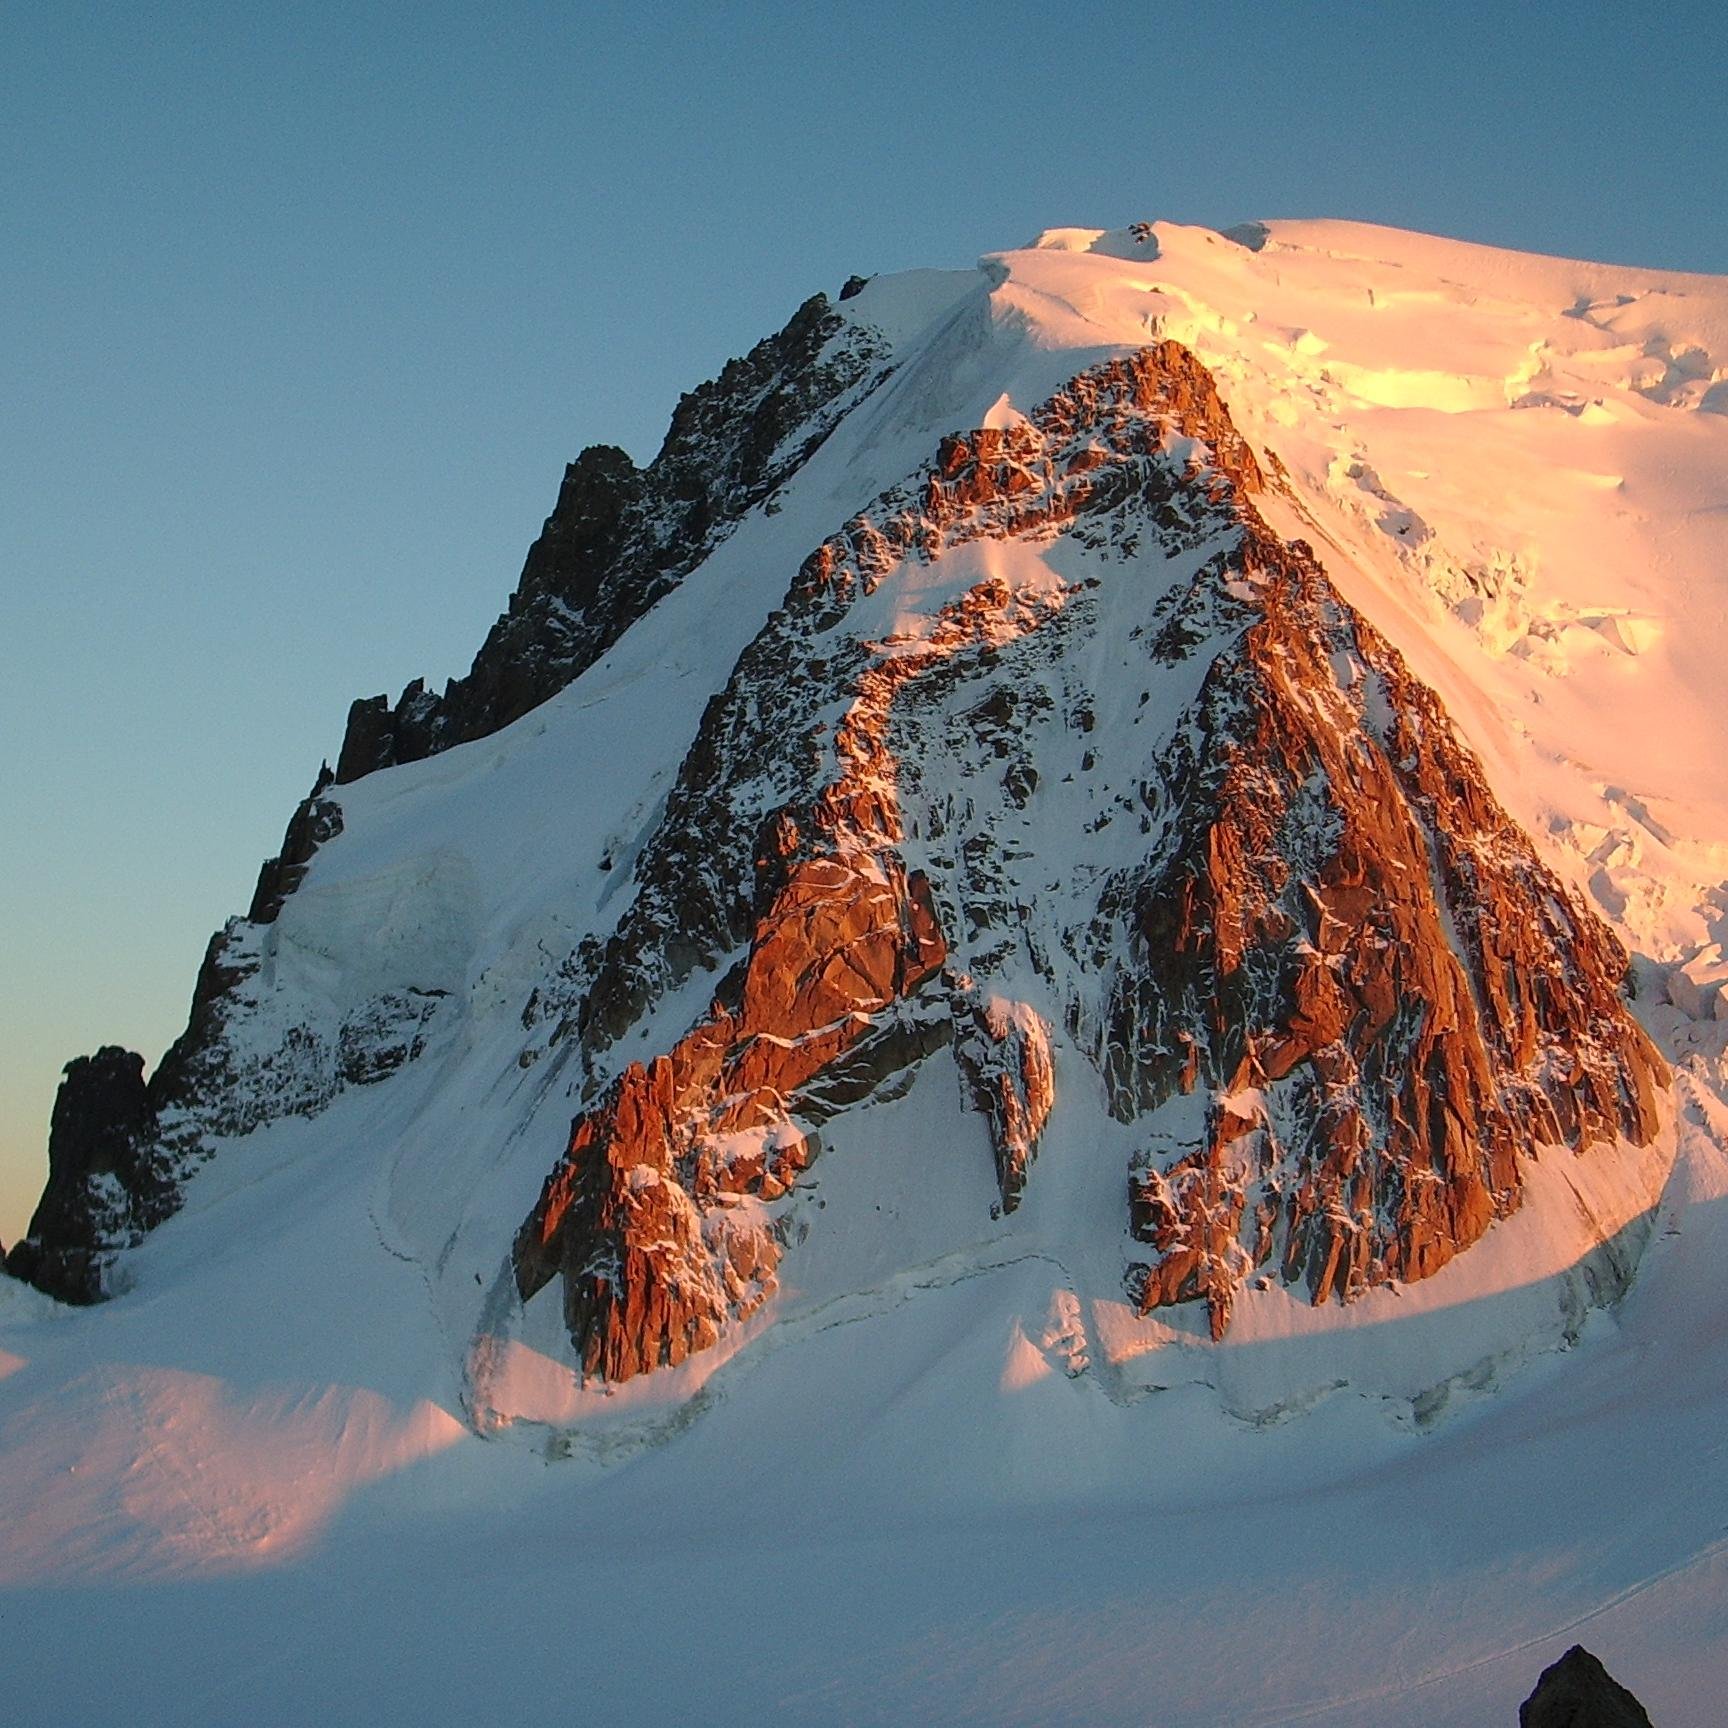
x,y
1386,1018
649,1172
1337,944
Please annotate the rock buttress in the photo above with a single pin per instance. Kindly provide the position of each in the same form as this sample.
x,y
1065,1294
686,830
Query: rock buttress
x,y
102,1183
1335,938
618,539
655,1217
1347,945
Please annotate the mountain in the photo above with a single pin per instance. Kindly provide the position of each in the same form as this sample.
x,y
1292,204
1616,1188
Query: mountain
x,y
1096,898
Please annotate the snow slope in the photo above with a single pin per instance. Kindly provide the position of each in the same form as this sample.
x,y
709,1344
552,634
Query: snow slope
x,y
947,1475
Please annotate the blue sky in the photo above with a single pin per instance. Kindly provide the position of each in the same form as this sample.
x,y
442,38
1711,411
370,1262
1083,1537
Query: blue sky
x,y
306,307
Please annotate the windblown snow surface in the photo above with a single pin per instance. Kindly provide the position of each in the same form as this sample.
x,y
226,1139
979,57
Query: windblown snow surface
x,y
946,1475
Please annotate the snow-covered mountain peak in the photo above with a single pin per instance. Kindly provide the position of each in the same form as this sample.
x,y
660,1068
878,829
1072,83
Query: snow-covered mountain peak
x,y
1514,460
1107,855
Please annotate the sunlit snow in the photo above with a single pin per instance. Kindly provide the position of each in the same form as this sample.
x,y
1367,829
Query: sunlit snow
x,y
307,1467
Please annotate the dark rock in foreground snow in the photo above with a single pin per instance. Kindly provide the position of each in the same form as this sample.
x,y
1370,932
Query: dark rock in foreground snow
x,y
1578,1692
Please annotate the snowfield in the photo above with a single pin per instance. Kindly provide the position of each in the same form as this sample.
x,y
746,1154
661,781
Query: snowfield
x,y
314,1462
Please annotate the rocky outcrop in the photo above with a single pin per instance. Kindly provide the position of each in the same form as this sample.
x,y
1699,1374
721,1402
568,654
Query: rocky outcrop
x,y
1346,944
121,1149
1334,982
1098,450
1003,1049
102,1182
640,1217
316,819
620,538
656,1215
1578,1692
660,1216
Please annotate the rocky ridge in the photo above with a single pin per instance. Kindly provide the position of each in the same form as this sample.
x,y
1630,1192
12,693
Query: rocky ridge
x,y
120,1148
1330,975
1348,944
618,540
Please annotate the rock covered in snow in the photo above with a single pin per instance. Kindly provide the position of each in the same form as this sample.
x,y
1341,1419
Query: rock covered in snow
x,y
1331,933
655,1217
1060,751
617,541
1351,948
620,538
1003,1049
315,820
